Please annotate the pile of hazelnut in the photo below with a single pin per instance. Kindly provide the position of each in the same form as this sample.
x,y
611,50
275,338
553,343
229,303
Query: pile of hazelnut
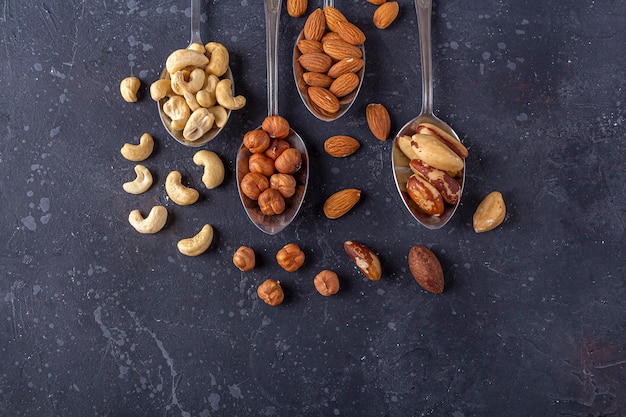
x,y
272,165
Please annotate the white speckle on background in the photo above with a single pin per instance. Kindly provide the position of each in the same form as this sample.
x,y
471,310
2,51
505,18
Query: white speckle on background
x,y
235,391
501,45
522,117
511,65
56,73
29,223
454,45
55,131
38,66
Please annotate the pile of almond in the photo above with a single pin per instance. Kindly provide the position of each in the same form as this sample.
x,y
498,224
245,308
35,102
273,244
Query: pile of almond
x,y
437,162
329,61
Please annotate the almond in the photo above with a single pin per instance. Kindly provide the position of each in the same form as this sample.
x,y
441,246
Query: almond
x,y
435,153
341,202
330,35
377,2
341,146
344,85
426,269
307,46
345,66
365,259
339,49
350,33
385,14
315,25
378,120
296,8
426,196
333,17
324,99
490,213
316,79
316,62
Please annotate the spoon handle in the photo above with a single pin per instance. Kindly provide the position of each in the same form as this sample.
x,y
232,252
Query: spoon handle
x,y
423,8
195,22
272,16
330,3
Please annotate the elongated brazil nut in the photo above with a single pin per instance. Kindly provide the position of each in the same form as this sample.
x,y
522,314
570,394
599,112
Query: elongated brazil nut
x,y
453,143
435,153
426,196
447,186
365,259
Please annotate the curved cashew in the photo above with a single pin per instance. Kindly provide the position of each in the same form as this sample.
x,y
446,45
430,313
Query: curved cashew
x,y
177,109
182,58
198,244
142,183
151,224
224,95
213,168
197,47
138,152
221,115
191,101
200,122
192,82
160,89
218,63
129,87
178,193
206,96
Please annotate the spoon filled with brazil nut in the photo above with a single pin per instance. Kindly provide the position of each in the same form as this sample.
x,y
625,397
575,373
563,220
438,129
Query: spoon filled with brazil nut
x,y
329,63
195,94
428,159
272,166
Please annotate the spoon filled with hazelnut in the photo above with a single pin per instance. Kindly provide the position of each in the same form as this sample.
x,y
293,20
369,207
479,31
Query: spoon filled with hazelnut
x,y
272,165
329,63
428,159
195,93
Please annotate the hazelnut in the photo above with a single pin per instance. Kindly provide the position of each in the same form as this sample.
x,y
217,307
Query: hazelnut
x,y
271,292
290,257
271,202
326,283
244,258
285,184
253,184
276,126
262,164
256,140
276,148
289,161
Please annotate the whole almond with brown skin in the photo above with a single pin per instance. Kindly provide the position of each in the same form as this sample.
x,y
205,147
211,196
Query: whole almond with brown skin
x,y
324,99
296,8
333,17
425,195
377,2
365,259
306,46
385,14
344,84
339,49
341,202
426,269
341,146
378,121
344,66
350,33
316,62
490,213
316,79
315,25
330,36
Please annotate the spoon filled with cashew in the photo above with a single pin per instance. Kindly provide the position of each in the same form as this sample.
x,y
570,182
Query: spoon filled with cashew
x,y
329,63
428,159
195,93
272,166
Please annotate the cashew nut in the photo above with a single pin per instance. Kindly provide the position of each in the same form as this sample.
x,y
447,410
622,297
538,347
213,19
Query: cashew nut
x,y
129,87
191,101
177,109
224,96
218,63
182,58
160,89
192,82
206,96
198,244
151,224
200,122
213,168
221,115
138,152
197,47
178,193
142,183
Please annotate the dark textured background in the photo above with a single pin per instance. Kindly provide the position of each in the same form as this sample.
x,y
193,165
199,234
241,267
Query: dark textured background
x,y
98,320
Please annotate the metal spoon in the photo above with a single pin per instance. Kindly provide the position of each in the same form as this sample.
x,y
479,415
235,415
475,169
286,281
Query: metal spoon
x,y
400,162
178,134
276,223
345,102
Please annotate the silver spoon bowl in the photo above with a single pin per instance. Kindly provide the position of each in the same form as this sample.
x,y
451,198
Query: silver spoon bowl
x,y
276,223
400,162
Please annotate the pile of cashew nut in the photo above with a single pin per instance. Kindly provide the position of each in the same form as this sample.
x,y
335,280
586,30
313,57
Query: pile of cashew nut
x,y
194,96
155,221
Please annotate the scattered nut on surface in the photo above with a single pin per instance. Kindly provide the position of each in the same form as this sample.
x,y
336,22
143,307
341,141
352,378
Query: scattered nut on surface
x,y
386,14
290,257
141,183
213,168
365,259
244,258
296,8
129,87
197,244
378,120
271,292
326,283
341,202
151,224
490,213
178,193
139,152
340,146
426,269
